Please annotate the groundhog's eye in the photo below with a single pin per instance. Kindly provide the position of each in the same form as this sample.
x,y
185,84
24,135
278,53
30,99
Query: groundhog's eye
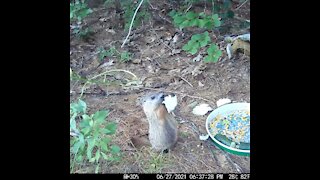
x,y
153,97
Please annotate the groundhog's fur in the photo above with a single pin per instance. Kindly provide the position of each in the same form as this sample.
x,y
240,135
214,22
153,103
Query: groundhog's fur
x,y
163,130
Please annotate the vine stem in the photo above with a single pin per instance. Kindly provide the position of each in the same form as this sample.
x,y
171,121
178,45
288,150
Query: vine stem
x,y
134,15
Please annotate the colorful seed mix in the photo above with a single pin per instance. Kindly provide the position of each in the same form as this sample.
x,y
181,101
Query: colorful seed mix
x,y
235,126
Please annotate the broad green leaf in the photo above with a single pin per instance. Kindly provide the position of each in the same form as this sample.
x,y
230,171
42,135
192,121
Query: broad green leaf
x,y
185,23
76,31
191,15
207,59
104,156
91,123
89,11
100,116
86,118
79,158
92,160
75,147
81,138
201,22
86,130
172,13
97,157
95,134
107,140
209,24
194,22
85,121
91,143
104,146
73,124
73,141
213,57
112,126
206,33
217,55
203,43
211,50
187,47
196,37
178,20
202,14
217,23
193,51
115,149
196,45
207,38
106,131
79,107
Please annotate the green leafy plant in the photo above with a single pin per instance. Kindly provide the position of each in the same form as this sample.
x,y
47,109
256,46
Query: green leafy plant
x,y
202,40
82,32
124,56
224,9
129,8
107,53
78,11
213,54
197,41
192,19
91,138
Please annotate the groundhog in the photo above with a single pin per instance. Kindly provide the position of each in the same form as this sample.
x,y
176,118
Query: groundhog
x,y
163,128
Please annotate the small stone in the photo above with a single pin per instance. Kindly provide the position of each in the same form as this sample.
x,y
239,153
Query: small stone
x,y
136,61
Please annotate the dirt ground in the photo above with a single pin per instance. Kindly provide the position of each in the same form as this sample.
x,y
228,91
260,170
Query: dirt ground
x,y
159,65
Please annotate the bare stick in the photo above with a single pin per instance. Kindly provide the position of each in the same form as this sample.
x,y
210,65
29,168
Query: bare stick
x,y
134,15
186,81
114,70
188,8
241,5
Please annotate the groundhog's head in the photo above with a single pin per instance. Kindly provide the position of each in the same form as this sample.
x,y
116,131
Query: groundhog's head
x,y
152,101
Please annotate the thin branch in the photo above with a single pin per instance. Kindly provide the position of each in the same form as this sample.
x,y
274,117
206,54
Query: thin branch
x,y
114,70
188,8
186,81
134,15
241,5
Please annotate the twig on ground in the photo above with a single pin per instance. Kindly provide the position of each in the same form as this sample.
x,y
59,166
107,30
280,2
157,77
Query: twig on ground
x,y
186,81
114,70
134,15
241,5
188,8
153,30
154,8
238,168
